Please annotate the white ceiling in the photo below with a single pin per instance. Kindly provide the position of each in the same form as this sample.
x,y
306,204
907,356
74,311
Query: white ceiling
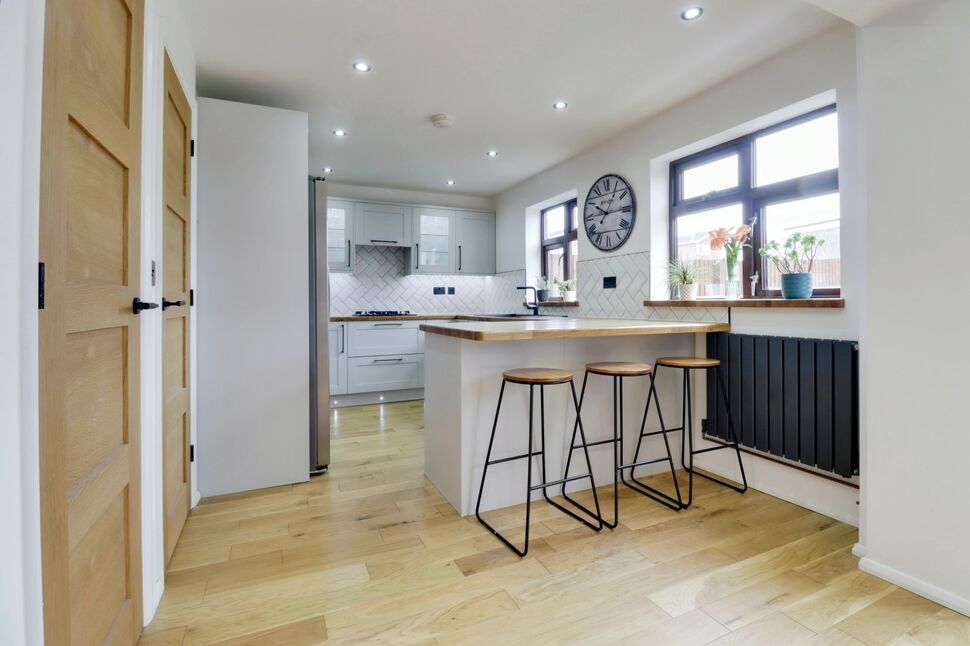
x,y
494,66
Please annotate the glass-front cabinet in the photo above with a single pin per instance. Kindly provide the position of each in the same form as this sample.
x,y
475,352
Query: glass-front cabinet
x,y
432,251
340,228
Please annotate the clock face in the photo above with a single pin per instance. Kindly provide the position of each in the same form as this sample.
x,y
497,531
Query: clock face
x,y
610,212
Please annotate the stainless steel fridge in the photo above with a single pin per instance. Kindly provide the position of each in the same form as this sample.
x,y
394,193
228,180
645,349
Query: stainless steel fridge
x,y
319,328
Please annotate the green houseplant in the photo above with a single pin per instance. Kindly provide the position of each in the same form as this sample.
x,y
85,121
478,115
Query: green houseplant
x,y
542,288
794,260
567,288
682,276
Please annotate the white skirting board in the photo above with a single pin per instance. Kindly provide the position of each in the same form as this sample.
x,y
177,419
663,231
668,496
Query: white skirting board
x,y
383,397
911,583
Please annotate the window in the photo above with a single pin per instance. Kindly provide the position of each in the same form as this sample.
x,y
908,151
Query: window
x,y
784,178
559,243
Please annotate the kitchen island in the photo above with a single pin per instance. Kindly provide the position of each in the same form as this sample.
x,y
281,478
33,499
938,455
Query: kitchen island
x,y
464,361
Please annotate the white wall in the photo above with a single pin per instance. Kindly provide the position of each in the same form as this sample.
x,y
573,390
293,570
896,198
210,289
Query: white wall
x,y
915,91
164,31
21,59
808,75
253,297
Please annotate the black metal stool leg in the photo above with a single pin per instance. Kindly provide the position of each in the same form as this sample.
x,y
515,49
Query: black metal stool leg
x,y
545,492
577,428
641,487
734,440
488,462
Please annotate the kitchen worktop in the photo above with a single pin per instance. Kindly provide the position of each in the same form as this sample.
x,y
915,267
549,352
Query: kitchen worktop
x,y
425,317
515,330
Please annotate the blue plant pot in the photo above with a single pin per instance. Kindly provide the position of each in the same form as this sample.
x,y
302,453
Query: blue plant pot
x,y
796,285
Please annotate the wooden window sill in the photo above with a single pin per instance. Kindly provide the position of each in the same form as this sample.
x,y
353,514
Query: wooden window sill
x,y
558,303
807,303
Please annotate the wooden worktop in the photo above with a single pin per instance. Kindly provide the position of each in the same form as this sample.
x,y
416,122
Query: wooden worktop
x,y
802,303
405,317
564,328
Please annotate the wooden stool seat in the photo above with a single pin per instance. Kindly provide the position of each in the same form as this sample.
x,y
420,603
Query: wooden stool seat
x,y
619,368
537,376
688,363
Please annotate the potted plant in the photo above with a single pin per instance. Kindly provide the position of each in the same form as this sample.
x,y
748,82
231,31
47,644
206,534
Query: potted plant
x,y
794,260
733,241
542,289
567,288
682,276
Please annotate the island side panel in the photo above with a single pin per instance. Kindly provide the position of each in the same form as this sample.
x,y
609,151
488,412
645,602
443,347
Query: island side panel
x,y
443,399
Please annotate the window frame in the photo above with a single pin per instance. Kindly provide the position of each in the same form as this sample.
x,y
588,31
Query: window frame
x,y
753,199
570,233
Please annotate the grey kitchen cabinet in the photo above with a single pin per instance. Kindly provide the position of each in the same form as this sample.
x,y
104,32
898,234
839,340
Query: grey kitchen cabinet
x,y
340,235
338,359
434,243
475,242
384,225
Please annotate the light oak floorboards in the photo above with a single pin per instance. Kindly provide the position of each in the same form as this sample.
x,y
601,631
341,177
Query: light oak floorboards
x,y
372,553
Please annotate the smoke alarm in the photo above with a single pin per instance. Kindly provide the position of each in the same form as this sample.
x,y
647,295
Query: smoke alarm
x,y
441,121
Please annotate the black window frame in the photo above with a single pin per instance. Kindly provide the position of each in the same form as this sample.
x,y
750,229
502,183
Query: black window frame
x,y
570,233
753,199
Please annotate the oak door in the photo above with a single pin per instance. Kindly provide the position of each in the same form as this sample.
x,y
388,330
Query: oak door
x,y
89,331
175,307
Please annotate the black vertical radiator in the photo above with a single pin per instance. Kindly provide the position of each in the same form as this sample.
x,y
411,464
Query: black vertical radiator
x,y
793,398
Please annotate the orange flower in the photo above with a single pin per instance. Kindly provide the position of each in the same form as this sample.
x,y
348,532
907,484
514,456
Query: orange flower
x,y
742,233
719,237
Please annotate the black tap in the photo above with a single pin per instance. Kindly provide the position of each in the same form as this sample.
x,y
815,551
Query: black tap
x,y
535,296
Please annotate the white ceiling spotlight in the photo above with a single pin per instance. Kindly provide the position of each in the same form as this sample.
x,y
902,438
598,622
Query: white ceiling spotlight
x,y
560,105
492,153
441,121
692,13
362,66
327,170
451,182
339,133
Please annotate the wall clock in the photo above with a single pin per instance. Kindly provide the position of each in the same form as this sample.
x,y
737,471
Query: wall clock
x,y
610,212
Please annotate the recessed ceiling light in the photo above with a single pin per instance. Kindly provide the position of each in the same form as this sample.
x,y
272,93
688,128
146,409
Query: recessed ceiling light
x,y
451,182
492,153
361,66
327,169
339,133
692,13
560,105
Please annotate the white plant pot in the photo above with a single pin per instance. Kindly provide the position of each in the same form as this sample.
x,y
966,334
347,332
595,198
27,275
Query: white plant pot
x,y
569,296
688,292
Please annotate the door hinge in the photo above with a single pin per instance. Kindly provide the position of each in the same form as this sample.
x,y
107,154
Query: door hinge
x,y
40,286
192,148
191,452
191,297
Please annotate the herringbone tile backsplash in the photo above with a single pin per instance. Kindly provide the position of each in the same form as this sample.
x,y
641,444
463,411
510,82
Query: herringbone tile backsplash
x,y
379,283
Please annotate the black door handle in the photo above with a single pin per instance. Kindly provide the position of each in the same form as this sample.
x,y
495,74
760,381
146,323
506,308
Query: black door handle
x,y
138,305
167,304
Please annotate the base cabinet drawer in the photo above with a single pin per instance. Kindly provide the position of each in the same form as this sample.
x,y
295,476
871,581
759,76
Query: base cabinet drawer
x,y
388,372
384,338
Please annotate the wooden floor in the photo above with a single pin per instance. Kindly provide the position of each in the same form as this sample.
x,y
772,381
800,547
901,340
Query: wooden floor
x,y
372,553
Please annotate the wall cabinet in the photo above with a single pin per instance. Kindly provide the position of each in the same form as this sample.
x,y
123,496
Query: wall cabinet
x,y
435,242
338,358
340,235
475,236
383,225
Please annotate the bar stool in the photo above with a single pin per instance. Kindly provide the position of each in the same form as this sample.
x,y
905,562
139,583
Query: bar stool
x,y
687,425
540,377
619,370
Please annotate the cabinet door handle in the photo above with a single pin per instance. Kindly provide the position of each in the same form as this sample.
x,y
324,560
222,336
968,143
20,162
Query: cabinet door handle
x,y
167,303
398,359
388,324
348,253
417,257
459,257
138,306
386,241
343,339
